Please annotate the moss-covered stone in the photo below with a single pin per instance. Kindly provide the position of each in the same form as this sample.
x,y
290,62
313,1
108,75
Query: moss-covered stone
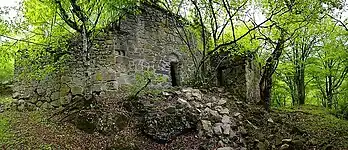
x,y
55,96
64,90
55,103
98,76
65,100
77,90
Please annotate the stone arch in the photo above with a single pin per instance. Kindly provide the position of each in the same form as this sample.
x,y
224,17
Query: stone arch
x,y
175,67
174,57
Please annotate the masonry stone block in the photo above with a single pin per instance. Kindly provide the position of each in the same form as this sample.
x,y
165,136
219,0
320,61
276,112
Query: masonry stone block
x,y
64,90
55,96
77,90
65,100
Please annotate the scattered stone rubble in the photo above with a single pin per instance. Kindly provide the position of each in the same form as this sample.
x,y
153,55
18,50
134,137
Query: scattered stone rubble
x,y
189,109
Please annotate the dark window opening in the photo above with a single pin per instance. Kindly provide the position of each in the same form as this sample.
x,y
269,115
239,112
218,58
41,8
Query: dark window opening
x,y
220,76
174,73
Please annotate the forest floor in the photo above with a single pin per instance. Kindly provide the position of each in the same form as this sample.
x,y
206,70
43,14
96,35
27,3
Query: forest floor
x,y
309,126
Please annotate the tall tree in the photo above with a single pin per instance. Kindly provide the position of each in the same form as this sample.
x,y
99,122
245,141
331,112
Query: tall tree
x,y
332,65
301,48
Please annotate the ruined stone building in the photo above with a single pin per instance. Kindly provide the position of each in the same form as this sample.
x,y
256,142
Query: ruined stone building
x,y
239,74
144,42
147,41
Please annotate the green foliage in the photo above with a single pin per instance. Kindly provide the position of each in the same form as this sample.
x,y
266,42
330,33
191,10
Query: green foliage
x,y
6,47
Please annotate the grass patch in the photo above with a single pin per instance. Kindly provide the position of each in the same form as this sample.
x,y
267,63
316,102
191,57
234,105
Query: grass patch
x,y
5,100
5,133
318,123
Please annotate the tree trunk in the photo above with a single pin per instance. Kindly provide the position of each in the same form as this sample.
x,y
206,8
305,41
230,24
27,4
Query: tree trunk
x,y
301,91
86,61
265,91
265,84
329,91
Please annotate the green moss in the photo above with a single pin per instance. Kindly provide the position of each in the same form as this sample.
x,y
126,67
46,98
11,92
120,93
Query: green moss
x,y
99,76
5,100
319,123
46,147
64,90
5,133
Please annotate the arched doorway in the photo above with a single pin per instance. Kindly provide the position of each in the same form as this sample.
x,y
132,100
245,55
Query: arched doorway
x,y
174,73
174,69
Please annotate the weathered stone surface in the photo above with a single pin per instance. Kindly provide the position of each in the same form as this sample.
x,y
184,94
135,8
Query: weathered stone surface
x,y
261,146
207,126
77,90
170,110
236,114
286,140
64,90
196,104
217,128
226,129
221,144
241,80
242,130
218,108
21,107
232,135
55,96
184,102
65,100
162,127
41,91
39,103
33,100
65,79
21,101
46,105
55,103
225,148
285,147
15,95
222,101
166,93
31,107
187,90
224,111
212,114
188,95
242,148
197,94
270,120
226,119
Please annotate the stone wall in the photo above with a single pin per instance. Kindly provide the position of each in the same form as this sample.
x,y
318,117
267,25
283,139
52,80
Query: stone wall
x,y
145,42
253,76
240,76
